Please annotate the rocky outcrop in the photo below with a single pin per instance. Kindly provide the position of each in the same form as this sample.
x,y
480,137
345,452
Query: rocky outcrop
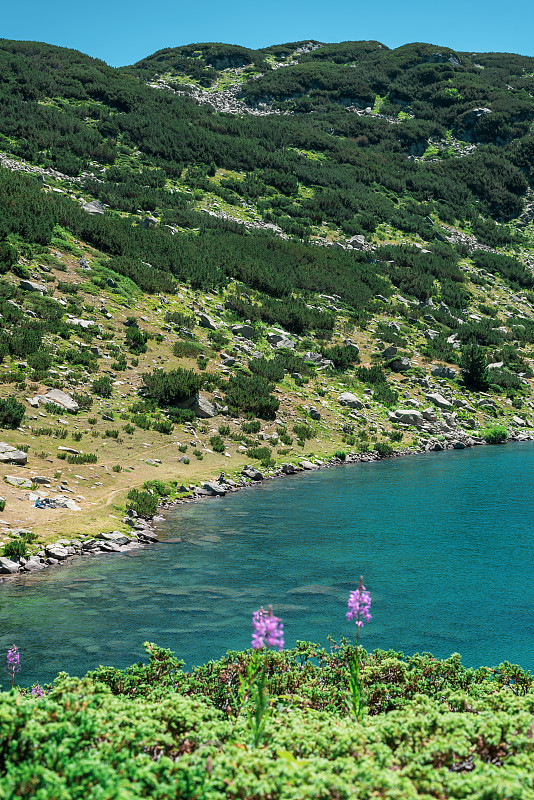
x,y
350,400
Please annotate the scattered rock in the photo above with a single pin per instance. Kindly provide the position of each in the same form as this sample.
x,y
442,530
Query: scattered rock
x,y
289,469
350,400
14,457
8,567
252,473
214,488
247,331
201,406
314,414
307,465
57,552
22,483
440,371
439,401
115,537
206,322
30,286
400,364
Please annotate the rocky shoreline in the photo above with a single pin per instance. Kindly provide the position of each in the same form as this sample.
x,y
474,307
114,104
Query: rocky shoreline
x,y
142,530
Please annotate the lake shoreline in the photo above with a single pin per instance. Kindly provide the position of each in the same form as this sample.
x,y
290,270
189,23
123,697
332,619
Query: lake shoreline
x,y
144,531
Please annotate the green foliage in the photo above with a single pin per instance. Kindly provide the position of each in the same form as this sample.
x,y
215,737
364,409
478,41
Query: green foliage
x,y
145,504
251,394
136,341
82,458
173,387
473,365
303,432
341,454
496,434
2,504
152,730
11,413
343,356
383,449
112,433
254,426
217,444
163,426
263,454
187,349
16,548
157,487
102,386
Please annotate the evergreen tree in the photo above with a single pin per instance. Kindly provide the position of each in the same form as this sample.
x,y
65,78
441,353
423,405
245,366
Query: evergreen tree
x,y
473,366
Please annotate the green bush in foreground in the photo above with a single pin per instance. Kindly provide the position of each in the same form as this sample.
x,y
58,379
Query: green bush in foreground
x,y
432,729
11,413
497,434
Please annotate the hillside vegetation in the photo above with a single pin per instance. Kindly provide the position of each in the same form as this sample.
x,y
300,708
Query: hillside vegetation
x,y
228,257
431,729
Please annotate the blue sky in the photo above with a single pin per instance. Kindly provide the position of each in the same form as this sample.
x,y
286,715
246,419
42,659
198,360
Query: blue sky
x,y
122,32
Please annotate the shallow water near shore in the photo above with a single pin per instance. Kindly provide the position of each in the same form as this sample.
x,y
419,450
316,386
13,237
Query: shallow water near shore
x,y
445,543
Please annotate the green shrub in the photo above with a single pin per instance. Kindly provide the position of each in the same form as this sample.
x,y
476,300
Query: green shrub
x,y
102,387
112,433
303,432
144,504
77,436
11,413
251,427
263,454
173,387
187,349
251,394
163,426
116,468
158,487
85,401
341,454
224,430
217,444
129,429
16,548
181,415
496,434
383,449
142,421
82,458
198,454
2,504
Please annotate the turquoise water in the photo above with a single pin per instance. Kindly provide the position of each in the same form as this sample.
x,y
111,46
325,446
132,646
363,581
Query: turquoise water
x,y
444,541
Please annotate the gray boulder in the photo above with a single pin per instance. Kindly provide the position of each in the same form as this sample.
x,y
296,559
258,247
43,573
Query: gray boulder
x,y
390,351
350,400
61,399
441,371
94,207
214,488
289,469
115,537
314,414
307,465
409,416
21,483
429,414
30,286
247,331
200,405
14,457
8,567
56,551
401,364
252,473
206,322
439,401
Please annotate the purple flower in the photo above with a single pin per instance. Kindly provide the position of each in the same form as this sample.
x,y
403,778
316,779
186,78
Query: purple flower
x,y
359,605
267,630
13,662
37,691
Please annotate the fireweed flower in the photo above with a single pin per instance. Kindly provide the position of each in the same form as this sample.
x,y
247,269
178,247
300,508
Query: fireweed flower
x,y
13,662
267,630
37,691
359,605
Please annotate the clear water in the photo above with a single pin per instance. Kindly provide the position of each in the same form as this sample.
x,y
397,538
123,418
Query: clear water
x,y
444,541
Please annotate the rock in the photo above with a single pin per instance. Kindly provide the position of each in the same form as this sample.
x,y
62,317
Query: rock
x,y
109,547
201,406
8,567
41,480
184,460
247,331
429,414
115,537
296,376
390,351
401,364
409,416
437,447
440,371
214,488
71,450
94,207
33,565
147,536
22,483
358,241
6,448
289,469
314,414
439,401
89,544
148,222
56,551
458,445
14,457
307,465
229,361
431,334
206,322
350,400
61,399
30,286
252,473
518,421
496,365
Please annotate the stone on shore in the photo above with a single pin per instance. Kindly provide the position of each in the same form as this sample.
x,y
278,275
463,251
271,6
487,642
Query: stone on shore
x,y
252,473
289,469
214,488
8,567
307,465
120,539
57,552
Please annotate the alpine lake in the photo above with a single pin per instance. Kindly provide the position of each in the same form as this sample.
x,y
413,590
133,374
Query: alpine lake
x,y
444,541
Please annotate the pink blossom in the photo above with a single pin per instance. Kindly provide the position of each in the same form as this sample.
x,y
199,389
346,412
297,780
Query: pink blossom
x,y
359,605
267,630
